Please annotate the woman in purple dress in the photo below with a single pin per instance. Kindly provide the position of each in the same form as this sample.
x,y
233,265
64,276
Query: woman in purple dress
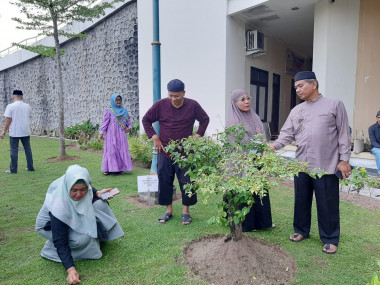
x,y
116,123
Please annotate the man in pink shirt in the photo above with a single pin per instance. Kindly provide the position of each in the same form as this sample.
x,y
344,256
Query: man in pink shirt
x,y
319,126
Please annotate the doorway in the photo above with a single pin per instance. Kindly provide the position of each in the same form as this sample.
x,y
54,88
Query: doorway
x,y
274,128
259,92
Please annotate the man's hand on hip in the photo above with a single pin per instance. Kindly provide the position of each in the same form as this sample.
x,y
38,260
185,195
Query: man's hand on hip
x,y
157,143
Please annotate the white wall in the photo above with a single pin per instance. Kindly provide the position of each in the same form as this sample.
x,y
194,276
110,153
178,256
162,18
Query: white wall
x,y
238,67
193,49
335,49
235,6
235,58
274,61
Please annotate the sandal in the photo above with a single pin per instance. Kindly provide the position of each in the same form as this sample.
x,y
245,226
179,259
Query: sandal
x,y
186,219
106,173
165,217
326,247
294,236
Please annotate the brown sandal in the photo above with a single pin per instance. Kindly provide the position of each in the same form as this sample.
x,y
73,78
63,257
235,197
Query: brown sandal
x,y
296,235
327,246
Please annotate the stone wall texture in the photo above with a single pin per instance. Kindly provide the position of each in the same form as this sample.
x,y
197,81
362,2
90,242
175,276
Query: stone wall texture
x,y
95,67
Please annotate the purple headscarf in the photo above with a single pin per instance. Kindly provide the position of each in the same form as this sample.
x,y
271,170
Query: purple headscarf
x,y
250,120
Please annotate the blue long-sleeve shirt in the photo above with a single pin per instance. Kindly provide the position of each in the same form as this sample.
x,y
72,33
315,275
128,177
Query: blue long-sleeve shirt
x,y
374,135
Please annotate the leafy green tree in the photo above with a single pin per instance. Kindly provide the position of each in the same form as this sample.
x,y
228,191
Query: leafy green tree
x,y
47,16
237,172
232,170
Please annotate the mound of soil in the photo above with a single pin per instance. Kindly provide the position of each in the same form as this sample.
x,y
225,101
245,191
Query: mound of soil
x,y
136,200
65,157
248,261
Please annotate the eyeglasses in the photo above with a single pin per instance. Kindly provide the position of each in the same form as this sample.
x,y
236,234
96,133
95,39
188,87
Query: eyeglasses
x,y
242,99
118,100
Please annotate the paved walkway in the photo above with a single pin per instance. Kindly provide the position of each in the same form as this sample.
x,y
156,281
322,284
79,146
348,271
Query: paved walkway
x,y
364,159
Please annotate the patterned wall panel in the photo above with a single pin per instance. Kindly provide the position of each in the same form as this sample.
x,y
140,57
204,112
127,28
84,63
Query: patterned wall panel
x,y
95,67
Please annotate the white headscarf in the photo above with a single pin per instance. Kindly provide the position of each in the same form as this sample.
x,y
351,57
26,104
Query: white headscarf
x,y
78,215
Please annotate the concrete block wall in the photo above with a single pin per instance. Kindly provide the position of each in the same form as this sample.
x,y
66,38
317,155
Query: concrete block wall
x,y
95,67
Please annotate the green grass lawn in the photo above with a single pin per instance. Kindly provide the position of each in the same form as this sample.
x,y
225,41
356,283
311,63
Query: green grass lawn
x,y
151,253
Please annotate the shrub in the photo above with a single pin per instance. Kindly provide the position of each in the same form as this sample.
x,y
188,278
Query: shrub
x,y
233,170
82,132
140,148
135,130
93,144
360,179
86,134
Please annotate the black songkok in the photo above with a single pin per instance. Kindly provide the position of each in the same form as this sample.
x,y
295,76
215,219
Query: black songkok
x,y
304,75
17,92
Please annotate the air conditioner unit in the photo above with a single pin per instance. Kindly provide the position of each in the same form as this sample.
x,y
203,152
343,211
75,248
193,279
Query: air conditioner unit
x,y
255,42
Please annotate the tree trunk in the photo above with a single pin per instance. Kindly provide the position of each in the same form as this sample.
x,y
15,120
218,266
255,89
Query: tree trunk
x,y
62,149
236,231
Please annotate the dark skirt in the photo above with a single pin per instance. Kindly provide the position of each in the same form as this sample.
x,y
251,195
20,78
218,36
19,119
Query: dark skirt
x,y
259,216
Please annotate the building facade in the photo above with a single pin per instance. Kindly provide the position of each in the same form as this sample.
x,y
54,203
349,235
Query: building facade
x,y
204,43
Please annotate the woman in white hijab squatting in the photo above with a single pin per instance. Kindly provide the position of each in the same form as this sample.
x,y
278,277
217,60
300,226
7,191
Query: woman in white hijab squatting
x,y
74,219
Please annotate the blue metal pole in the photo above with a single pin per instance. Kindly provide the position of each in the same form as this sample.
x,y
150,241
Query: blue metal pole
x,y
156,50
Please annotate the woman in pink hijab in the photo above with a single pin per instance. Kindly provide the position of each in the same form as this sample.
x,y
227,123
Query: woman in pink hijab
x,y
240,112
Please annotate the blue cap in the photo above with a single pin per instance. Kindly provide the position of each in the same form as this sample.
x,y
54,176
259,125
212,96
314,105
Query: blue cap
x,y
176,85
378,114
304,75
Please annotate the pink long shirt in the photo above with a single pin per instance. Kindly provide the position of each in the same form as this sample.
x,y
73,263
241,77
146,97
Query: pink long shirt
x,y
321,132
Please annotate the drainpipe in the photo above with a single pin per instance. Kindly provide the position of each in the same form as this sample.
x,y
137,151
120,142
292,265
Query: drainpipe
x,y
156,71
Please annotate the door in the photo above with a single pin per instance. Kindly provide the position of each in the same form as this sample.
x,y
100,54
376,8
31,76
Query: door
x,y
293,101
259,92
275,104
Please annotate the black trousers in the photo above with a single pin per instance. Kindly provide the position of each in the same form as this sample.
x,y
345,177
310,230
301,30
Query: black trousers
x,y
14,142
166,169
327,197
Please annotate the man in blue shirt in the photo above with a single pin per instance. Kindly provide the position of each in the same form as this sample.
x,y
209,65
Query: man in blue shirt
x,y
374,136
